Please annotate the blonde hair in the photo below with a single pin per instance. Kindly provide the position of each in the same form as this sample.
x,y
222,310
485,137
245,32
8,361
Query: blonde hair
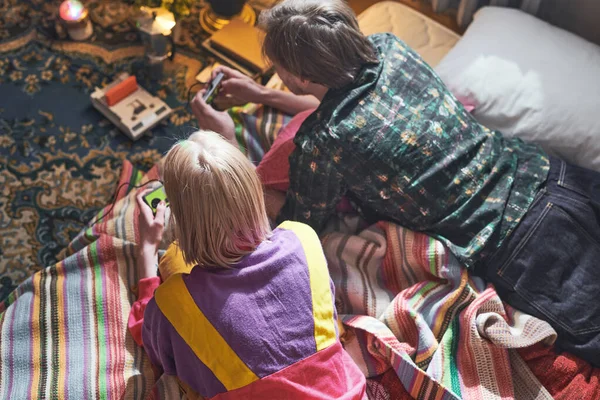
x,y
316,40
217,204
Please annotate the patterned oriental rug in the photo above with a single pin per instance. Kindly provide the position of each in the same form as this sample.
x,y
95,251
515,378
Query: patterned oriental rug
x,y
60,159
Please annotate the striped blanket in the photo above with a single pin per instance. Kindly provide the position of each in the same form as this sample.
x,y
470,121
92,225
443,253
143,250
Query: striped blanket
x,y
415,322
63,332
418,324
257,127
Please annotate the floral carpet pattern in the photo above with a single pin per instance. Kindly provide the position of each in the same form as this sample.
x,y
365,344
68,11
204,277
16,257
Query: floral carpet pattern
x,y
60,159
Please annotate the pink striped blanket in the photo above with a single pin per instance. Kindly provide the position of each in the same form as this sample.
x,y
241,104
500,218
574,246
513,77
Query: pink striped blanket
x,y
63,332
409,307
409,310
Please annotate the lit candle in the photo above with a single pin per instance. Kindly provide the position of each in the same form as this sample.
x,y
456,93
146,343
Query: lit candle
x,y
74,17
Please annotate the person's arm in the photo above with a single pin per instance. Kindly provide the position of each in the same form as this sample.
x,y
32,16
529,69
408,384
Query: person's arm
x,y
145,291
315,188
237,89
288,102
150,230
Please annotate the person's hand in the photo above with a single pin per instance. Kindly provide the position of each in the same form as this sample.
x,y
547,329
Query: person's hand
x,y
237,88
150,226
211,119
151,229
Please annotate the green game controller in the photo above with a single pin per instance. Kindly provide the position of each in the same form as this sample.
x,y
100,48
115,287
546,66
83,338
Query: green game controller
x,y
155,197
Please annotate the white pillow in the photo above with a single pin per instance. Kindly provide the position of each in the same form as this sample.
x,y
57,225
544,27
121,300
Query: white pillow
x,y
530,79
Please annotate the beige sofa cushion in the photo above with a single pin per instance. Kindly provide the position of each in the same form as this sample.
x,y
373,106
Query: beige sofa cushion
x,y
430,39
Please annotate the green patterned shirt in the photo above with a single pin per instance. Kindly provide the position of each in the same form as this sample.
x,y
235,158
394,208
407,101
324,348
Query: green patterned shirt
x,y
398,143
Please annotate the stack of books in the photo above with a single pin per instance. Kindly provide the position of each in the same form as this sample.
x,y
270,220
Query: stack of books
x,y
240,45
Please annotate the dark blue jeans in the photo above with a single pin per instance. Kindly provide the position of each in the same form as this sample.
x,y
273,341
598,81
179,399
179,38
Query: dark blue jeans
x,y
549,266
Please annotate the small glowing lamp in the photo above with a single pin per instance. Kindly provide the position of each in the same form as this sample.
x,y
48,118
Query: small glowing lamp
x,y
74,17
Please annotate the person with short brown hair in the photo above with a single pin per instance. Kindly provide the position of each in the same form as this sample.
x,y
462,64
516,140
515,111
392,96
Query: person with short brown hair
x,y
389,136
318,41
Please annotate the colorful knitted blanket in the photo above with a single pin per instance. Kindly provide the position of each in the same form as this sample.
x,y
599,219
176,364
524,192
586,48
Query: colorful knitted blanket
x,y
408,306
415,322
63,332
256,128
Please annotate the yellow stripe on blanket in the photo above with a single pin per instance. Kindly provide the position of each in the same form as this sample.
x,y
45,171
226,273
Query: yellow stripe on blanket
x,y
322,301
177,304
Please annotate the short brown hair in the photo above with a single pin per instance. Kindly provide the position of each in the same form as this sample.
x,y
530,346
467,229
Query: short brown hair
x,y
217,204
316,40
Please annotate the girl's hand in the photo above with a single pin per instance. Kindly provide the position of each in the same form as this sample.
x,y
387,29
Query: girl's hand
x,y
150,227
